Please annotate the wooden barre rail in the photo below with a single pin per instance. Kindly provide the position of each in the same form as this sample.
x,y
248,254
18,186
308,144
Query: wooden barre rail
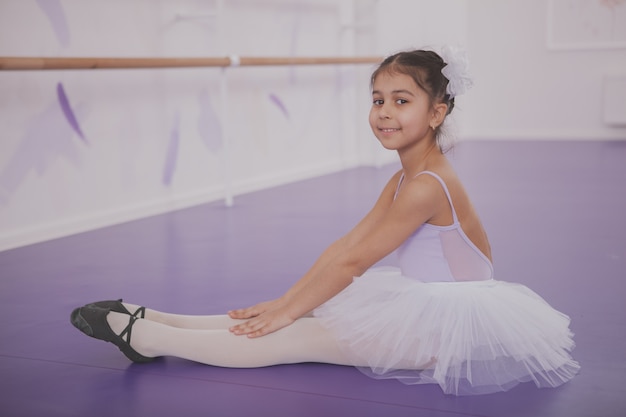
x,y
40,63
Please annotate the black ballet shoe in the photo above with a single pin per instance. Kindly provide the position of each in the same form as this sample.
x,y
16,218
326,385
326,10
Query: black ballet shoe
x,y
118,307
93,322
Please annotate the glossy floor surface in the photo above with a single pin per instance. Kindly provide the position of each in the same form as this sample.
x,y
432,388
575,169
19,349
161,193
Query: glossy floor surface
x,y
555,213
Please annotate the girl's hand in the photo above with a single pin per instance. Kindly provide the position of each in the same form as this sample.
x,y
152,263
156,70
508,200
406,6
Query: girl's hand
x,y
256,310
264,323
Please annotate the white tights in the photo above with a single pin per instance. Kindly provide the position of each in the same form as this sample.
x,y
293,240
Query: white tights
x,y
206,339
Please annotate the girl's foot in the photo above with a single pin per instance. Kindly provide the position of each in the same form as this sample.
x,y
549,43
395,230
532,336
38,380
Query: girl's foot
x,y
118,307
92,321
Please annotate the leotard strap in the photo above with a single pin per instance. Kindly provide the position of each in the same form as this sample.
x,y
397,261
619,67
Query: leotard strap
x,y
445,189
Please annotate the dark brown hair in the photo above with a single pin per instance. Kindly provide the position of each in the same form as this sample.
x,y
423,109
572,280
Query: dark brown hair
x,y
425,69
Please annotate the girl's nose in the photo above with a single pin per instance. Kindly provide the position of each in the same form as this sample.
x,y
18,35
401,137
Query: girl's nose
x,y
383,113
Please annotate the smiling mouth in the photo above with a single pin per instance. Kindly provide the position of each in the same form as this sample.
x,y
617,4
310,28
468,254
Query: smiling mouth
x,y
388,130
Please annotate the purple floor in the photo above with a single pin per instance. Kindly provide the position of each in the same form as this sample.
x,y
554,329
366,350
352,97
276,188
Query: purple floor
x,y
555,212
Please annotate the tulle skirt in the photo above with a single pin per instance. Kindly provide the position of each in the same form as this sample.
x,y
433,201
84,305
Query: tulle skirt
x,y
472,337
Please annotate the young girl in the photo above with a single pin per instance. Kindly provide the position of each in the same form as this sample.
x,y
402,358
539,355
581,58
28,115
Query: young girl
x,y
438,318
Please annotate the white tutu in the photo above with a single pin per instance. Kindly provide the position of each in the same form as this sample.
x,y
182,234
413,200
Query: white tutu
x,y
471,337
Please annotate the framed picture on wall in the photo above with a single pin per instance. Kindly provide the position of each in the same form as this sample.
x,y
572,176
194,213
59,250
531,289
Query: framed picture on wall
x,y
586,24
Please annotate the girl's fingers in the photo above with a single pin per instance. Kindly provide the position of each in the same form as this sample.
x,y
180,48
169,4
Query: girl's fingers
x,y
243,313
255,310
262,325
237,314
247,327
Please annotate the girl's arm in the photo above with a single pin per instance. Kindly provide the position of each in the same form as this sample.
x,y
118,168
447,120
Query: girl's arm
x,y
421,199
340,246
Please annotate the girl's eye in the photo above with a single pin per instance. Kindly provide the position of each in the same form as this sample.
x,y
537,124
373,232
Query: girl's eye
x,y
401,101
378,102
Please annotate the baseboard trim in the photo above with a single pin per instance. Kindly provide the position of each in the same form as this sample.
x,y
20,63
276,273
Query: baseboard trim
x,y
105,218
548,136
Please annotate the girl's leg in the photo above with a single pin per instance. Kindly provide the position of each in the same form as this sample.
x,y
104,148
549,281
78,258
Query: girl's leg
x,y
213,322
303,341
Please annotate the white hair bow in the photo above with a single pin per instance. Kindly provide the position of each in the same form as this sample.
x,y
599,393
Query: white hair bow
x,y
456,70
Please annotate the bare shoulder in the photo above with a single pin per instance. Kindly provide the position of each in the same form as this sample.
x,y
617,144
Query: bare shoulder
x,y
448,175
392,185
420,196
426,192
395,179
423,187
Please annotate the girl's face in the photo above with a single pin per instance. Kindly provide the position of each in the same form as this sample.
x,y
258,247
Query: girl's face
x,y
401,113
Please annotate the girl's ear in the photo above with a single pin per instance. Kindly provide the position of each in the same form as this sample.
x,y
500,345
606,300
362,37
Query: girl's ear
x,y
439,114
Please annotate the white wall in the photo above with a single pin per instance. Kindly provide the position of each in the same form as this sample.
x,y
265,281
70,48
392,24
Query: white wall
x,y
523,90
155,140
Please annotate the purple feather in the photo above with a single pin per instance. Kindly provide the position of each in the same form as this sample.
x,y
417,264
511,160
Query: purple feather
x,y
67,111
209,127
278,102
55,14
172,152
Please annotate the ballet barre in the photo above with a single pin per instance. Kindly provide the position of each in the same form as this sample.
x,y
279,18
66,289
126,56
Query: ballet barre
x,y
82,63
58,63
